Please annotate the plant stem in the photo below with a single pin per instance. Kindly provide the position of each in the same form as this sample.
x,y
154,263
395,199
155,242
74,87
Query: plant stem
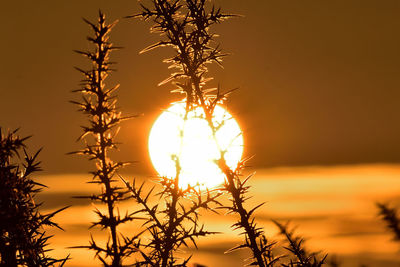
x,y
106,177
230,176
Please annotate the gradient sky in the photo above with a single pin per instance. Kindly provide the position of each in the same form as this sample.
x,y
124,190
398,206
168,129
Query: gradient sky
x,y
319,80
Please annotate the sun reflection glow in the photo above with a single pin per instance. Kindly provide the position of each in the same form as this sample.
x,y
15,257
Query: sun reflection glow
x,y
192,142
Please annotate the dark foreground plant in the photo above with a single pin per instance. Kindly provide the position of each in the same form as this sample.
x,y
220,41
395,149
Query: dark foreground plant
x,y
99,104
390,216
173,223
23,241
300,257
184,25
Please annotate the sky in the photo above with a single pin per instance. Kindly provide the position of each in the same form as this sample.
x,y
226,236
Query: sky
x,y
336,215
318,80
318,85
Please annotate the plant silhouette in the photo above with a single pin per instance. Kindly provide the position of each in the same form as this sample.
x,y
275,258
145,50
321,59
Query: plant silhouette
x,y
23,241
174,222
390,216
99,104
184,26
300,256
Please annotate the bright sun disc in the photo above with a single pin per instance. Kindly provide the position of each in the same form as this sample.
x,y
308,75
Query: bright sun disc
x,y
192,142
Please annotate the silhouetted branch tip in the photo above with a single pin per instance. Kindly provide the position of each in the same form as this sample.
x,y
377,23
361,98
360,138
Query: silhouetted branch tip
x,y
391,218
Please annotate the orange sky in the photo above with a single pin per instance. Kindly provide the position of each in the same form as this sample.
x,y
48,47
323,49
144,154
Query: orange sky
x,y
319,85
319,81
332,207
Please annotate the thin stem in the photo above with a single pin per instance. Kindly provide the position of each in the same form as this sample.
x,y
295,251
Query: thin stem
x,y
235,192
103,158
99,103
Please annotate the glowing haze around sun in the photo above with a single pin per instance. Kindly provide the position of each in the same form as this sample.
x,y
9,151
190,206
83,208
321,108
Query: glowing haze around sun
x,y
192,142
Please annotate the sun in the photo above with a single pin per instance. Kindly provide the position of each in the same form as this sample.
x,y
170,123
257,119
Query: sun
x,y
191,141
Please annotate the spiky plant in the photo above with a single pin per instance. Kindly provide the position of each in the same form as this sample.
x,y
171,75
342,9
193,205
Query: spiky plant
x,y
390,216
184,26
23,241
99,104
300,257
173,223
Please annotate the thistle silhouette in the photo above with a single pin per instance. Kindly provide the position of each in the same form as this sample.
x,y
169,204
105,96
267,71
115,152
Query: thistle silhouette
x,y
23,240
99,104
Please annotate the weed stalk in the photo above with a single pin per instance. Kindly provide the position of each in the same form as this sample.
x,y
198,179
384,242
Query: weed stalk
x,y
99,104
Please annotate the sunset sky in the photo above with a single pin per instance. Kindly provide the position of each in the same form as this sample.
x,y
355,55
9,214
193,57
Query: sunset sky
x,y
319,81
318,103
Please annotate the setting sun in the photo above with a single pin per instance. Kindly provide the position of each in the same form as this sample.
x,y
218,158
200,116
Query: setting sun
x,y
192,142
164,153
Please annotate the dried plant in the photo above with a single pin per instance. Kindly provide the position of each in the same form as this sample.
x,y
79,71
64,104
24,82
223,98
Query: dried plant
x,y
23,241
99,104
184,26
391,218
302,258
